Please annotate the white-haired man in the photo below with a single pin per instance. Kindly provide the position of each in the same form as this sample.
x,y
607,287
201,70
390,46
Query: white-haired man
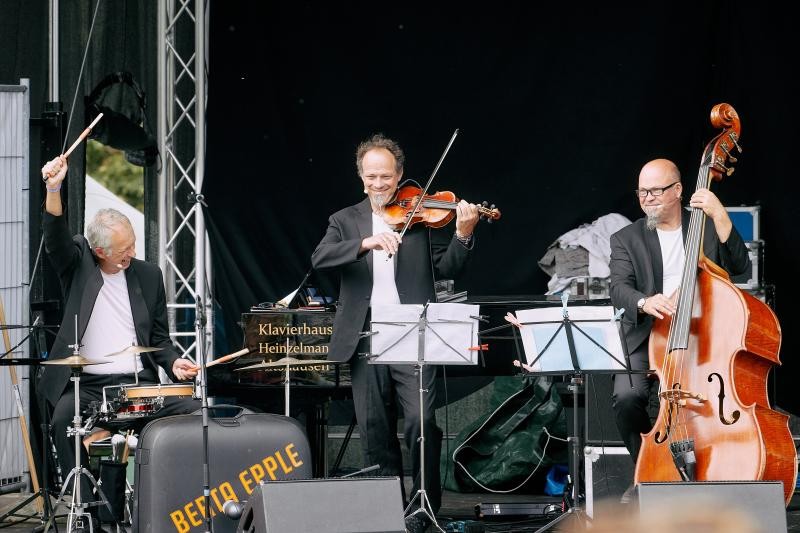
x,y
118,301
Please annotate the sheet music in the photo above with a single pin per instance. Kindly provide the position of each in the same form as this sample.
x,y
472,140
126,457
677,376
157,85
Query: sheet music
x,y
539,326
449,334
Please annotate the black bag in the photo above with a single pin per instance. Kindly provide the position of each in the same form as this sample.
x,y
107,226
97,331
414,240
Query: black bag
x,y
243,450
112,482
505,450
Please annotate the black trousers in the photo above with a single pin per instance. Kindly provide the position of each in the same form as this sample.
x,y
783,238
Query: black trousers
x,y
91,390
631,402
381,393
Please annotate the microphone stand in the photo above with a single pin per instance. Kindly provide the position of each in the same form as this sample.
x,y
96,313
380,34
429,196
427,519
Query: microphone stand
x,y
200,325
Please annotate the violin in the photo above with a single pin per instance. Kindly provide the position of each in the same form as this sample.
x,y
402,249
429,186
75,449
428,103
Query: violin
x,y
435,211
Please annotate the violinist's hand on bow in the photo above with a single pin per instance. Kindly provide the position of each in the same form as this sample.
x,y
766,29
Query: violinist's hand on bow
x,y
54,171
467,217
184,369
388,242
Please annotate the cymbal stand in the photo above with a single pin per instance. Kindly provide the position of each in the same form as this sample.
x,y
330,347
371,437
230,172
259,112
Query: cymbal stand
x,y
78,519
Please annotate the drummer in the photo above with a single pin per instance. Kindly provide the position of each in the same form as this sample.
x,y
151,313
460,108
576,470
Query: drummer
x,y
119,301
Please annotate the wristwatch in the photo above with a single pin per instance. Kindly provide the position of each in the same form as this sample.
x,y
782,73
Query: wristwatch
x,y
640,304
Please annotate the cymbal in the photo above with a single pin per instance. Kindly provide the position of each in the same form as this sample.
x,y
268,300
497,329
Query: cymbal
x,y
287,361
133,350
74,360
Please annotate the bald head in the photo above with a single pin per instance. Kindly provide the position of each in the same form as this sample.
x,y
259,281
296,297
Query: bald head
x,y
659,170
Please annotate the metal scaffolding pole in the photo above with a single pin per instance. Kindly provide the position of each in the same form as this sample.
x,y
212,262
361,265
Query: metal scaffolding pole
x,y
183,248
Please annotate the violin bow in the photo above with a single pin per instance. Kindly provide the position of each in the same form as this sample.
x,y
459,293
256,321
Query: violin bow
x,y
427,186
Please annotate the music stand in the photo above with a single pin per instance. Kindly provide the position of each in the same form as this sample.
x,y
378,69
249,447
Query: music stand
x,y
446,334
589,341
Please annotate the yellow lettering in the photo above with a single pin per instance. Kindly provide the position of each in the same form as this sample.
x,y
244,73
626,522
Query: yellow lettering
x,y
271,465
284,466
246,482
193,516
257,472
226,489
293,455
263,347
179,521
216,500
200,502
261,330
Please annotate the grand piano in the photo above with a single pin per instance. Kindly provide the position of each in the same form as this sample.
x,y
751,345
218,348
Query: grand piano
x,y
303,332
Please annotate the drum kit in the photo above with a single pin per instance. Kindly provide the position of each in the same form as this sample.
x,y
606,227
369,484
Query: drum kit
x,y
130,402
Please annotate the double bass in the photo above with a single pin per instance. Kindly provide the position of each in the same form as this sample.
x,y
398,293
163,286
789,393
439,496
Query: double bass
x,y
712,358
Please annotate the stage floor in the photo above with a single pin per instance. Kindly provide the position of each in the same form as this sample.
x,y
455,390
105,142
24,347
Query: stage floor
x,y
456,507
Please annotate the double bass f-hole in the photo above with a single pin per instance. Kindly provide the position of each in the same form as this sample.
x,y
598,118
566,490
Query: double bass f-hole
x,y
721,397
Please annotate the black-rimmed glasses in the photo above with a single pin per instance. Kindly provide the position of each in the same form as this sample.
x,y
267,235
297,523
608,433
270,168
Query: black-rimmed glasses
x,y
655,191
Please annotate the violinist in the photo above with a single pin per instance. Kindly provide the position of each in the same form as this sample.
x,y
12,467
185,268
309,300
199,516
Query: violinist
x,y
376,266
647,260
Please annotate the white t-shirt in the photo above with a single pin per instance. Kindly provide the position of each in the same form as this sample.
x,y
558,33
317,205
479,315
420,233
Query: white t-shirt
x,y
111,328
384,287
672,256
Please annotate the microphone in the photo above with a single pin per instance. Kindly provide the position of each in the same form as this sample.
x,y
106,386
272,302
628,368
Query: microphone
x,y
232,509
564,300
362,471
481,318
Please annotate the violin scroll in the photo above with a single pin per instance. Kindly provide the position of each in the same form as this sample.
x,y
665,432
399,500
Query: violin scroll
x,y
488,212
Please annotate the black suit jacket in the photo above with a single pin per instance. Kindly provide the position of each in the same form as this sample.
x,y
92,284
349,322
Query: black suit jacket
x,y
421,257
81,280
637,269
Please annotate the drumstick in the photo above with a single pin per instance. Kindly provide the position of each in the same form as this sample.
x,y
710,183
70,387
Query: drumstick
x,y
229,357
126,450
83,135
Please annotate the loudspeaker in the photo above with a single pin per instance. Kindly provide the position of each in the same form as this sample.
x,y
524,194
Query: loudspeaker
x,y
599,422
762,501
362,505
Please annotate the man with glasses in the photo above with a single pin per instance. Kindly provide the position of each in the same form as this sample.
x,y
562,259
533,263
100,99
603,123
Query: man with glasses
x,y
646,267
119,301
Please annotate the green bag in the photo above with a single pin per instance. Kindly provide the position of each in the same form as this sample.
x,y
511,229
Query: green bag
x,y
505,449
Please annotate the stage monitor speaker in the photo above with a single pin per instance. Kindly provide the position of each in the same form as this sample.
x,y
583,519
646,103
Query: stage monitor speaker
x,y
359,505
762,501
601,428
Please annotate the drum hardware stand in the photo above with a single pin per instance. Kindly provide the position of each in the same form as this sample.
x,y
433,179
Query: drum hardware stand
x,y
77,518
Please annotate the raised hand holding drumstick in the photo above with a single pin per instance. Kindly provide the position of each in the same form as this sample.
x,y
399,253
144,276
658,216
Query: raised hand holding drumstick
x,y
55,170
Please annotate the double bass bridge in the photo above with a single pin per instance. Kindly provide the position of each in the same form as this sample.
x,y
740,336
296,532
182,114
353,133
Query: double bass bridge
x,y
679,397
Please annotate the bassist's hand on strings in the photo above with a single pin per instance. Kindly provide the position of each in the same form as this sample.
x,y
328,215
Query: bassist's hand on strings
x,y
713,208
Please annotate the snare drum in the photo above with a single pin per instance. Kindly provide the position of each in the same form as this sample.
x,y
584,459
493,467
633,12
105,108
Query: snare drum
x,y
147,400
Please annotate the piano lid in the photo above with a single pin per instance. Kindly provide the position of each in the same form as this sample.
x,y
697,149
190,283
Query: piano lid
x,y
308,295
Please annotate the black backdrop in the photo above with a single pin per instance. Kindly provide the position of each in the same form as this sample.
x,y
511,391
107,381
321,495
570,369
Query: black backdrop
x,y
557,110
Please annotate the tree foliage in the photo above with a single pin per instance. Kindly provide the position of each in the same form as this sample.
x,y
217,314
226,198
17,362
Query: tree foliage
x,y
109,167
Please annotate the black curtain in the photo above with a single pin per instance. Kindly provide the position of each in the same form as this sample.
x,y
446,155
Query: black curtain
x,y
558,109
